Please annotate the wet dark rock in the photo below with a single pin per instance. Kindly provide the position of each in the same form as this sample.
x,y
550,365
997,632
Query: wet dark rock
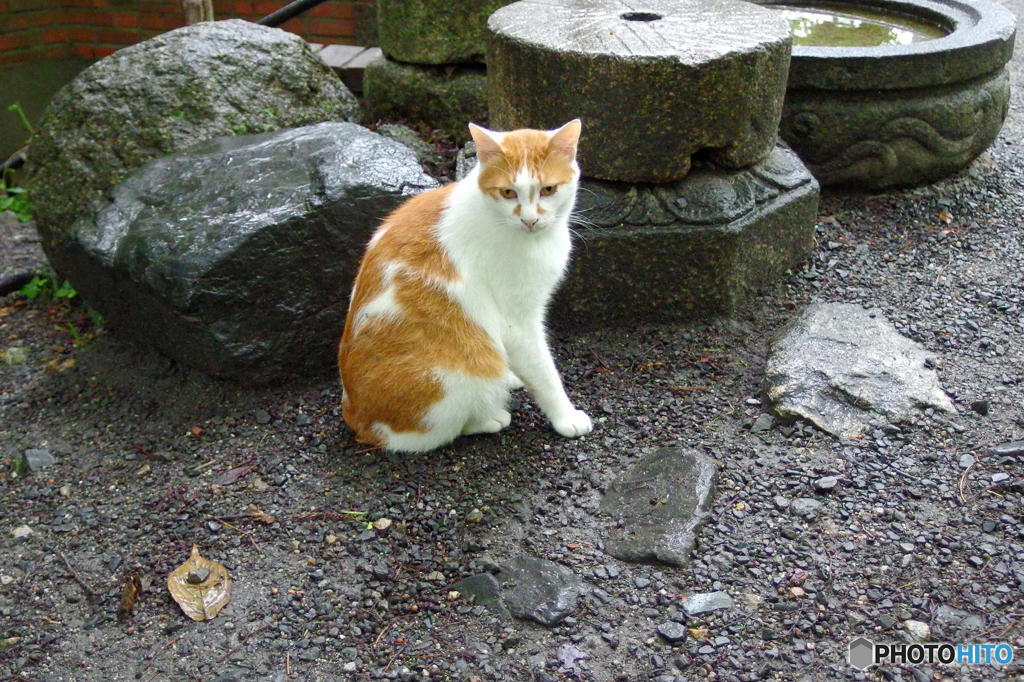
x,y
484,589
38,458
236,256
164,94
696,604
980,406
659,505
841,366
538,589
955,621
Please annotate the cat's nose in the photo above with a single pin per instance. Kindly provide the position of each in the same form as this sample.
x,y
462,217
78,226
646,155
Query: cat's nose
x,y
530,224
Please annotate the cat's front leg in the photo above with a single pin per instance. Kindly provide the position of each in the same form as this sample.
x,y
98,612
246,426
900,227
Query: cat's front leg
x,y
530,358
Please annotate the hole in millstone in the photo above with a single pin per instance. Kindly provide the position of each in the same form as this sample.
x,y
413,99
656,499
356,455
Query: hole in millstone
x,y
640,16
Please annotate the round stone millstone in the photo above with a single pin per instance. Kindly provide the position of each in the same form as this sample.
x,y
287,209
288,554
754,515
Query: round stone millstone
x,y
655,82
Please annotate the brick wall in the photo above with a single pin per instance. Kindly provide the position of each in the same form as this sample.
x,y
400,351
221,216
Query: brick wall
x,y
36,29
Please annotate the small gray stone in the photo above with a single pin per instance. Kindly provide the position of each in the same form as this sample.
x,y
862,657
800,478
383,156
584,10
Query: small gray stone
x,y
806,507
1001,477
966,461
918,630
1011,449
262,417
38,458
704,602
672,631
21,531
826,484
764,422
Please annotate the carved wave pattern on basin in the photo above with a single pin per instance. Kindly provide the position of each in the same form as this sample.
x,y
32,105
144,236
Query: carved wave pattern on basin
x,y
851,26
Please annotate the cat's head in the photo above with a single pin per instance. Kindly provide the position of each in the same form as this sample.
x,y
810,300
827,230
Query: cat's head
x,y
529,175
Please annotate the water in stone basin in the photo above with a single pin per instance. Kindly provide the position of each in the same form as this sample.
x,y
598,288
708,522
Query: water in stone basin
x,y
852,26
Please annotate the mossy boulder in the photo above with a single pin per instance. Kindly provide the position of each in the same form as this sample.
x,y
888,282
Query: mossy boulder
x,y
445,97
434,31
653,87
166,93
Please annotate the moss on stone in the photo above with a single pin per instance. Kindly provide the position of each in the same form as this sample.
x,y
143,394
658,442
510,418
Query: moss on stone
x,y
447,98
434,31
163,94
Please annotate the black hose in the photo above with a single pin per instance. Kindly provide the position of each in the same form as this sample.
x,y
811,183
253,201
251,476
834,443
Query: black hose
x,y
288,11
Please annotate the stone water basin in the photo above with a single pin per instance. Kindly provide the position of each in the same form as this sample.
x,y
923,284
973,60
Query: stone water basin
x,y
885,93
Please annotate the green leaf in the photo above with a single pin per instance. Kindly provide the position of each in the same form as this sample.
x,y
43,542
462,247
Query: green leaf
x,y
35,287
65,290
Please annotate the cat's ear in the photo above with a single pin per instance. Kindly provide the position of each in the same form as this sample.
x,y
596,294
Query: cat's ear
x,y
565,139
487,148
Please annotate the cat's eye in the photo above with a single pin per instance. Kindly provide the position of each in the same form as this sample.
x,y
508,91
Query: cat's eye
x,y
508,193
548,190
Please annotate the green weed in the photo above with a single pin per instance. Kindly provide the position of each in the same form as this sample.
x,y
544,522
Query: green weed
x,y
15,199
47,287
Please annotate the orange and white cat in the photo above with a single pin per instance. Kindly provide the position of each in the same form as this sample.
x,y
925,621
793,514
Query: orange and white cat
x,y
447,313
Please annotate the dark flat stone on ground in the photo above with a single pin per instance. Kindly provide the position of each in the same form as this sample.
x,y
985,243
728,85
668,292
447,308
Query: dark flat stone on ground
x,y
659,505
538,589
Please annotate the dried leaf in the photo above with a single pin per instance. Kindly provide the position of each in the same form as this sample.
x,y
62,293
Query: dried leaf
x,y
231,475
699,634
60,364
129,594
258,514
200,586
946,217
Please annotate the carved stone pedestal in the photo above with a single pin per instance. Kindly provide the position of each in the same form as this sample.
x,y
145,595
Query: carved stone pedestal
x,y
685,250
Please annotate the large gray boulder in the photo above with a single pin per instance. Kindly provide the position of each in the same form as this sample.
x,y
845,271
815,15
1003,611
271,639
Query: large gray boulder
x,y
236,256
841,366
166,93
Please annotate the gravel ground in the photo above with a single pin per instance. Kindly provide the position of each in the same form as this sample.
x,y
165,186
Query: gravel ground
x,y
922,524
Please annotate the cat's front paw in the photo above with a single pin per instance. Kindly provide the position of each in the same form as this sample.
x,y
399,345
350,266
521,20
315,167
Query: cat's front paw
x,y
573,425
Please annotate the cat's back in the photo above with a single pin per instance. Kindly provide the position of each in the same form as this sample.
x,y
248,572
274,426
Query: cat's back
x,y
401,320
